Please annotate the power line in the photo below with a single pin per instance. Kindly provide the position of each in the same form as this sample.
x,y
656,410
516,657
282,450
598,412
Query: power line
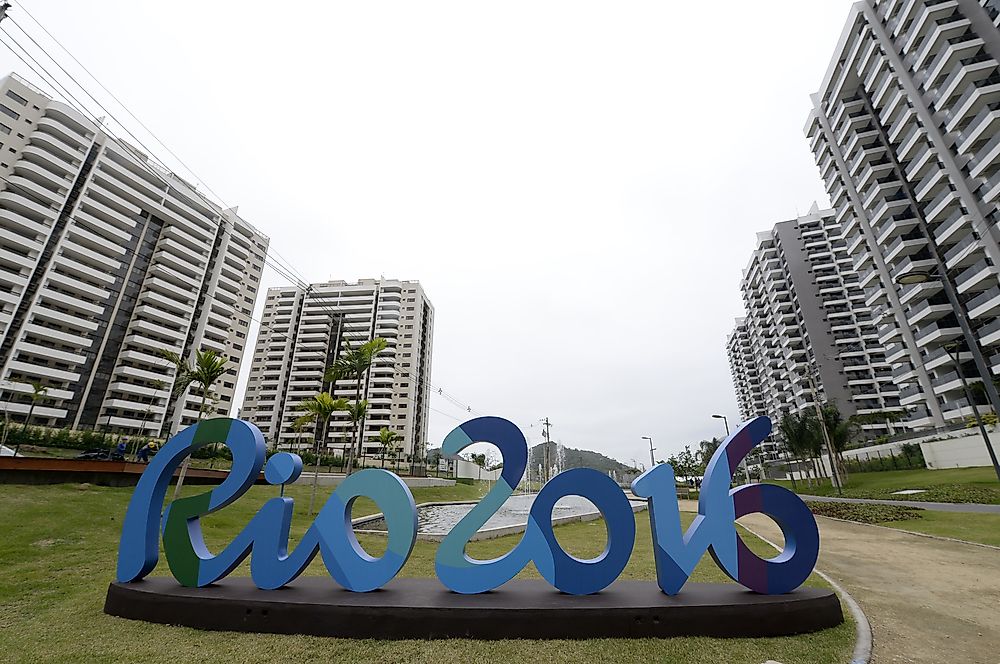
x,y
282,268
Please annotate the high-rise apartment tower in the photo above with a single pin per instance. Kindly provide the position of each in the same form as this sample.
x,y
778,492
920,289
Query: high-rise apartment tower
x,y
107,259
806,318
906,132
303,330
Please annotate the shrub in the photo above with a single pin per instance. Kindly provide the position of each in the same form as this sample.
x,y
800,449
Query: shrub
x,y
905,460
865,512
465,480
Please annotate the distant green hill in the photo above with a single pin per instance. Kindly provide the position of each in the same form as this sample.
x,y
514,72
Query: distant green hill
x,y
574,458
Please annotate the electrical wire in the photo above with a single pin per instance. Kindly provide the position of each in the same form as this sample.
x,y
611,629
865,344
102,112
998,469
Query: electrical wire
x,y
282,268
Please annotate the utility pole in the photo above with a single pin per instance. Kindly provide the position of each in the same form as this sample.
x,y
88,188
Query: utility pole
x,y
545,451
834,472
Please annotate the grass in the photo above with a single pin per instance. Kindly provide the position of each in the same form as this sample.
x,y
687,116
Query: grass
x,y
981,528
965,526
950,485
58,554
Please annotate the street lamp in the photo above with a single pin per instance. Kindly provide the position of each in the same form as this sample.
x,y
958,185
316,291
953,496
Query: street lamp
x,y
725,420
652,461
964,322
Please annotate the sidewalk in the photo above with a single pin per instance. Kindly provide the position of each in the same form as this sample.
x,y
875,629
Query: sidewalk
x,y
940,507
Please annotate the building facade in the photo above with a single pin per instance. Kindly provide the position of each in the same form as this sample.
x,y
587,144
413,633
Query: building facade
x,y
906,133
107,259
302,333
806,327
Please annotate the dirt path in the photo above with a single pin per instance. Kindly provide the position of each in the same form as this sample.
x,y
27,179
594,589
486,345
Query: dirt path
x,y
928,600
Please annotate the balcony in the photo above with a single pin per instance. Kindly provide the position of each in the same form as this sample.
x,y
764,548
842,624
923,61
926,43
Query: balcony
x,y
986,303
895,352
925,312
904,247
975,277
949,382
989,334
910,395
939,357
937,333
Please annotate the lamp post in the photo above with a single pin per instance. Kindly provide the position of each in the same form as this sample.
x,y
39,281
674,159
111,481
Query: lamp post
x,y
652,461
965,323
956,359
725,421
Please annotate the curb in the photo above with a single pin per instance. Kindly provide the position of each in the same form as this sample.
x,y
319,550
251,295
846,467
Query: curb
x,y
940,538
863,630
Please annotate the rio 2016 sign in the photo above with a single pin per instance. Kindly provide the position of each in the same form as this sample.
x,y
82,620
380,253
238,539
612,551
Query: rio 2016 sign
x,y
265,537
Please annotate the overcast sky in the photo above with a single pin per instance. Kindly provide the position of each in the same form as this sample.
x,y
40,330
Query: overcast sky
x,y
576,184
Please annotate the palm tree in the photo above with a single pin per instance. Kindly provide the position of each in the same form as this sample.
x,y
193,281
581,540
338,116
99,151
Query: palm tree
x,y
388,439
353,364
841,431
318,409
800,435
208,368
38,392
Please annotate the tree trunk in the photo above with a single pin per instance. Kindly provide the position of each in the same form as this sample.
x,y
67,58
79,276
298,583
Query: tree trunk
x,y
312,497
187,459
354,429
24,429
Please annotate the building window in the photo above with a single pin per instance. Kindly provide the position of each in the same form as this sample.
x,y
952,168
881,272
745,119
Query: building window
x,y
4,128
18,98
6,111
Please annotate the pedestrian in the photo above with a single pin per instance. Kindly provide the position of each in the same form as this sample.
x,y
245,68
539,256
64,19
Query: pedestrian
x,y
147,449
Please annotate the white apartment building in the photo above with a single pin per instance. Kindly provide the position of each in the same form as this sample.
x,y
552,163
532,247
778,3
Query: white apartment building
x,y
746,377
303,331
906,129
805,315
106,258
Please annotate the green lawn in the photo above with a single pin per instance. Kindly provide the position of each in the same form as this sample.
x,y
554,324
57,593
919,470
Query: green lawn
x,y
969,527
951,485
58,555
982,528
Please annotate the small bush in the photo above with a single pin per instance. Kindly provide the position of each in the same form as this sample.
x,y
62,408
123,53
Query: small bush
x,y
465,480
865,512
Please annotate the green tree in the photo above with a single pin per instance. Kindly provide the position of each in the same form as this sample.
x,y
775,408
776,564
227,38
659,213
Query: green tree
x,y
353,364
38,392
841,433
318,410
479,460
387,439
207,369
801,436
706,449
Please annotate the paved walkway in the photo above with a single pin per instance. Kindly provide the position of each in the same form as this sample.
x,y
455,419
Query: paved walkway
x,y
928,600
940,507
